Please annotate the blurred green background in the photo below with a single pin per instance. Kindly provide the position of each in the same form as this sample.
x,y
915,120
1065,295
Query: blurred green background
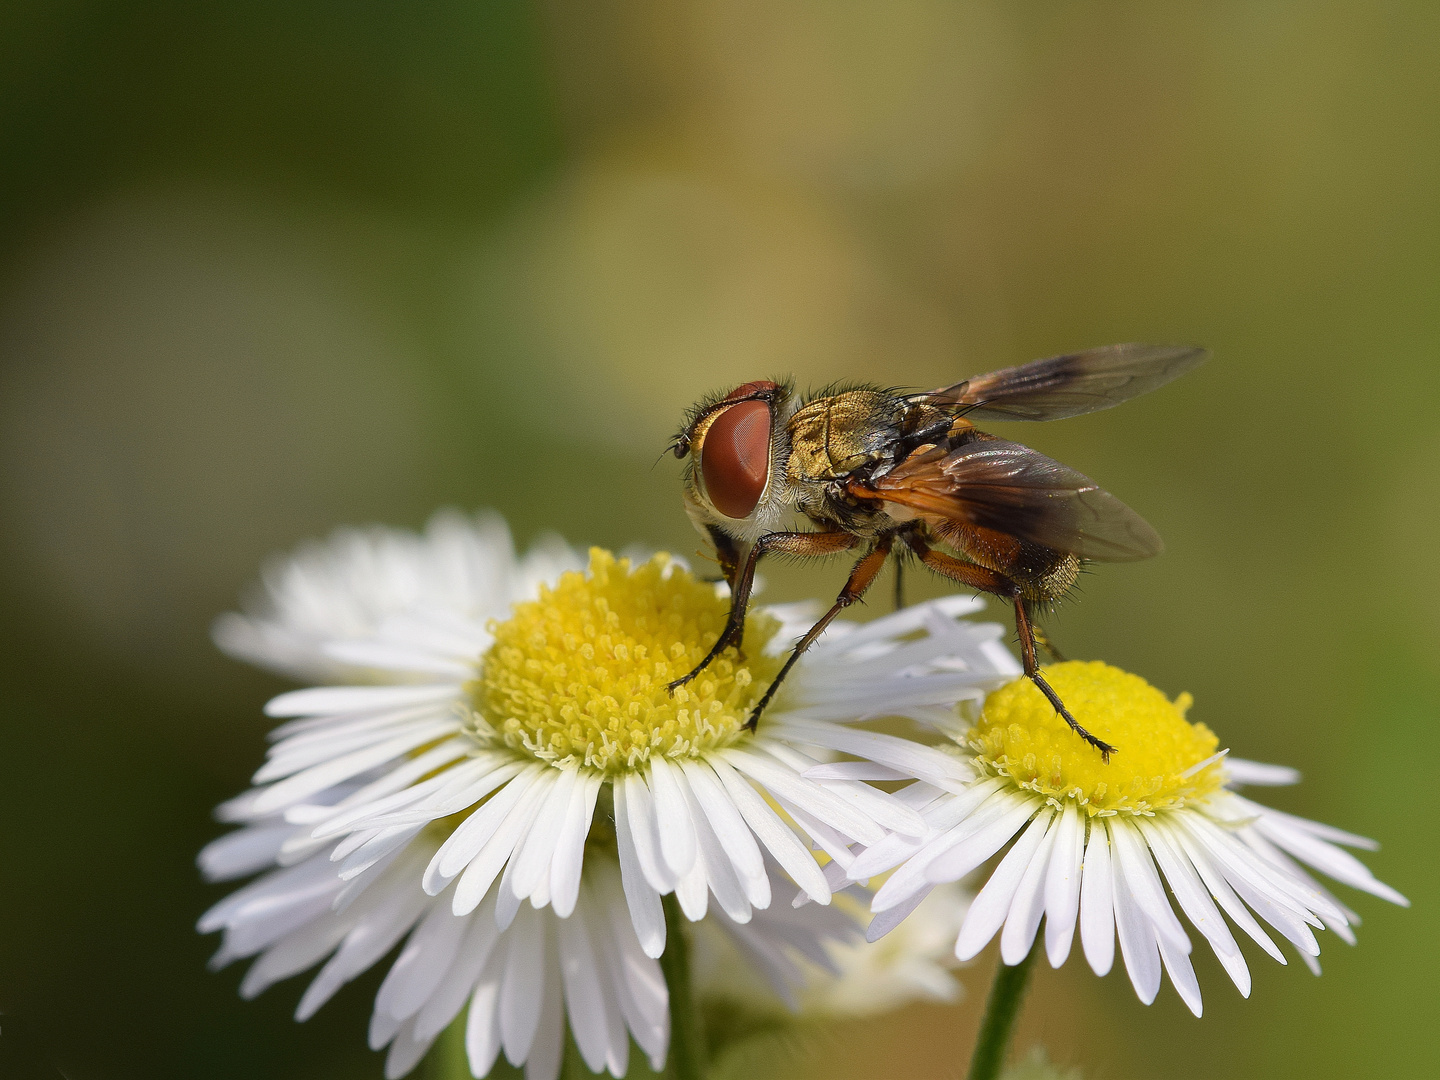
x,y
267,268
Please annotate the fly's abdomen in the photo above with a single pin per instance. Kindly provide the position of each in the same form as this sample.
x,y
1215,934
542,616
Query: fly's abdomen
x,y
1041,572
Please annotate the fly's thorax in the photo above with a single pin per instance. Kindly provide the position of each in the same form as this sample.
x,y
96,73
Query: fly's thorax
x,y
833,436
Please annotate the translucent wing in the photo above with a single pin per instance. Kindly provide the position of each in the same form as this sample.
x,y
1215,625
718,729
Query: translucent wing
x,y
1012,489
1070,385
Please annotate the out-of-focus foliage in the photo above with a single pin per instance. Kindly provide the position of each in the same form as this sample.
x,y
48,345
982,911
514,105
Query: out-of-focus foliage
x,y
266,268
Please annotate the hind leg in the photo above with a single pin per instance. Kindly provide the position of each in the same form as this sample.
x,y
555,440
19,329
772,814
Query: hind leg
x,y
1043,640
996,584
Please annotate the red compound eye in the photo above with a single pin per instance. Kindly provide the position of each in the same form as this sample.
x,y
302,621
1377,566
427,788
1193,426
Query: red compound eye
x,y
735,460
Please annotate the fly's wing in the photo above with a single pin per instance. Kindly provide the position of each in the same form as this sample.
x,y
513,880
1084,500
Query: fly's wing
x,y
1012,489
1069,385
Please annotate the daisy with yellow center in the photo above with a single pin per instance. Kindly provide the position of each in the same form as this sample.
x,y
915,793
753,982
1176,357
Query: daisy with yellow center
x,y
1089,837
498,770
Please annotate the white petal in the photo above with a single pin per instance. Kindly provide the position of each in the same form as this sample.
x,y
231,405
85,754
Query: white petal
x,y
292,954
482,1024
853,770
889,853
472,834
989,908
522,990
548,1048
734,835
320,777
942,817
615,993
507,903
384,843
1185,883
391,657
1327,858
475,950
302,751
692,890
1253,876
405,1053
469,784
903,755
915,873
639,983
339,819
243,852
1220,889
641,899
1240,771
890,918
1062,885
1028,905
480,874
873,804
821,835
1342,927
1314,828
307,889
537,851
371,939
645,832
401,777
965,856
782,781
570,847
585,1000
1182,975
1135,931
1139,872
323,700
772,832
422,964
720,874
1284,888
672,818
1097,909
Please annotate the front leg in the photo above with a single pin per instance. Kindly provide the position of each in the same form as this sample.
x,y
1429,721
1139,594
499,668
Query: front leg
x,y
727,553
788,543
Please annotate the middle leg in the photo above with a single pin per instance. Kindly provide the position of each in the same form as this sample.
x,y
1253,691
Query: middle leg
x,y
861,578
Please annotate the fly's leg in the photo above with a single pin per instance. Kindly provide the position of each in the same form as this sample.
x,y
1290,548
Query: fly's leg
x,y
987,580
1043,640
861,578
899,583
727,552
788,543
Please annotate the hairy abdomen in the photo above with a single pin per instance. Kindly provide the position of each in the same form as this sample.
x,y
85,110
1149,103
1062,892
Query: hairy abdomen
x,y
1041,572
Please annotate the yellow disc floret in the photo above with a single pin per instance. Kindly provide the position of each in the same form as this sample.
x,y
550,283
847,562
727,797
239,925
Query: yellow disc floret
x,y
581,675
1163,760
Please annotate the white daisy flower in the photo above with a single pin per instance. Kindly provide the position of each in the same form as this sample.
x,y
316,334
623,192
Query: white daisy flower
x,y
522,976
1089,836
461,766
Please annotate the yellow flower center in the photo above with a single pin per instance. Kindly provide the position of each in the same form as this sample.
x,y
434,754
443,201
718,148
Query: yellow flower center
x,y
1162,759
582,674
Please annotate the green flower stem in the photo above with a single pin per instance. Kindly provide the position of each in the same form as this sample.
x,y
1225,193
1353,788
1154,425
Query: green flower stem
x,y
686,1038
1000,1012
